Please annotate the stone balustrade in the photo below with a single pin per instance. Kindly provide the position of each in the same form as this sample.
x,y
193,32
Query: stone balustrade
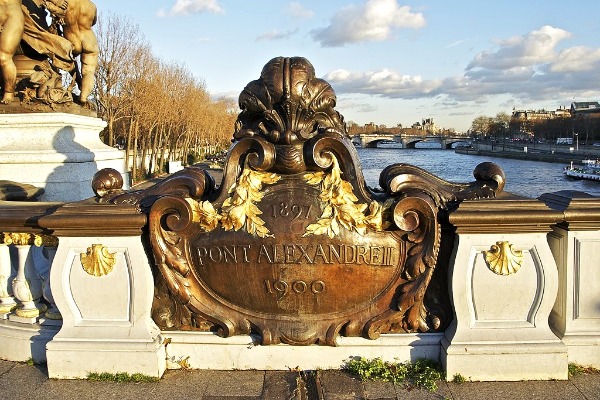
x,y
28,316
101,285
574,242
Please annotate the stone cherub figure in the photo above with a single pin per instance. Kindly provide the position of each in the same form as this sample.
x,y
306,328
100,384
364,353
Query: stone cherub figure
x,y
24,29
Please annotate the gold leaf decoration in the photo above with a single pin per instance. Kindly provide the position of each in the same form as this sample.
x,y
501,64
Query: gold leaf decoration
x,y
342,209
45,240
98,261
503,259
19,239
205,214
240,209
38,241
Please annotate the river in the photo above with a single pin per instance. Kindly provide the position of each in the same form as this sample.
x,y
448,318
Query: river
x,y
525,178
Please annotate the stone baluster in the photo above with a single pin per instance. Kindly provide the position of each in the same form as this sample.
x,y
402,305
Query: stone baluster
x,y
27,285
52,313
7,301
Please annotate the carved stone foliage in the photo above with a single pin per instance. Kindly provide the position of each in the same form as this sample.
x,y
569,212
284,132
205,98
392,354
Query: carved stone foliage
x,y
292,245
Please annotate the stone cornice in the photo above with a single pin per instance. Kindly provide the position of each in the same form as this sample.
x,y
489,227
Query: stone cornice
x,y
505,214
580,211
92,219
23,217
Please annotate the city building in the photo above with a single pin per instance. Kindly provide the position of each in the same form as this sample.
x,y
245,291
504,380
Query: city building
x,y
585,107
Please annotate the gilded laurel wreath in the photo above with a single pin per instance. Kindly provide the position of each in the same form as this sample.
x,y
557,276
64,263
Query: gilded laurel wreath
x,y
342,208
240,209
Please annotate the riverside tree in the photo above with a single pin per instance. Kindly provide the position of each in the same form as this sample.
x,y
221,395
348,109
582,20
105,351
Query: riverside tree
x,y
157,110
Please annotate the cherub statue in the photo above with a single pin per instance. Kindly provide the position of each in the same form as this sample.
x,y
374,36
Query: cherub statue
x,y
46,86
12,25
77,18
69,36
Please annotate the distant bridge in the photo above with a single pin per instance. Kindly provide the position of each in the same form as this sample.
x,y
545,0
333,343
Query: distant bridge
x,y
370,140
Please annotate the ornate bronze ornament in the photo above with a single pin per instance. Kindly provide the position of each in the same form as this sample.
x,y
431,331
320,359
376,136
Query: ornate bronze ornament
x,y
98,261
292,245
503,259
25,239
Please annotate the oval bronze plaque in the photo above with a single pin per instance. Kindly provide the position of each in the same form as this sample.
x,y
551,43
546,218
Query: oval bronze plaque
x,y
292,274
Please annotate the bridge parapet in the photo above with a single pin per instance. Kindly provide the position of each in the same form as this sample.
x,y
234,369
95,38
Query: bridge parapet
x,y
370,140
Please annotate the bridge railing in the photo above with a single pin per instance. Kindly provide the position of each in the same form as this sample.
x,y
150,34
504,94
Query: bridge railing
x,y
106,315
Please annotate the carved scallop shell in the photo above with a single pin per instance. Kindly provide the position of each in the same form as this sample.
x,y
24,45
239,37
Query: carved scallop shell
x,y
503,259
98,261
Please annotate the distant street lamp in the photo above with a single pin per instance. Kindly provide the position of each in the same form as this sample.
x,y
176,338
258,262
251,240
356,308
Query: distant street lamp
x,y
577,142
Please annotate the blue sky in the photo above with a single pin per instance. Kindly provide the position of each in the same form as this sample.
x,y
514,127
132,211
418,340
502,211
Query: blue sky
x,y
389,61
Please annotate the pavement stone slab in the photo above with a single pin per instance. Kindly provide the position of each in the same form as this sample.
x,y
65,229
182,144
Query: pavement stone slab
x,y
233,383
525,390
409,391
5,366
588,385
379,390
20,381
231,398
23,381
283,385
340,385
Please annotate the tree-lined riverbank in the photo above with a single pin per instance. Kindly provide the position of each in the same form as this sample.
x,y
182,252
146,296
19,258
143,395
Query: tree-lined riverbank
x,y
541,152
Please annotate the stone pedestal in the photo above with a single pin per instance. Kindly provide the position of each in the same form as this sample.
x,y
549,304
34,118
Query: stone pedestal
x,y
205,350
25,341
503,283
576,314
575,243
58,152
103,287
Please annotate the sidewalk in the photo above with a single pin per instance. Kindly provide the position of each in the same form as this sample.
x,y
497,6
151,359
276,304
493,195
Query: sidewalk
x,y
21,381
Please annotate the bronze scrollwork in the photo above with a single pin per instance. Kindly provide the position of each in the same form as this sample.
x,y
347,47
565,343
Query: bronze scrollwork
x,y
292,245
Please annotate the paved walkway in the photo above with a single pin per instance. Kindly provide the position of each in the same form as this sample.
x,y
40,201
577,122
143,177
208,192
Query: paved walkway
x,y
21,381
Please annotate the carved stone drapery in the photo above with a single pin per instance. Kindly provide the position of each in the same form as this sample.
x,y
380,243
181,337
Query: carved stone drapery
x,y
292,244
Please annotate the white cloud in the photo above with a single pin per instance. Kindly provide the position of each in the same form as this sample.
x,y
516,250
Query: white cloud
x,y
355,104
277,35
373,21
297,10
453,44
535,47
527,68
186,7
577,59
384,82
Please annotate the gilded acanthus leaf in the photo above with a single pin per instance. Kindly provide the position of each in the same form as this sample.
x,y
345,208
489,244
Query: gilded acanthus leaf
x,y
314,178
239,211
19,239
342,209
205,214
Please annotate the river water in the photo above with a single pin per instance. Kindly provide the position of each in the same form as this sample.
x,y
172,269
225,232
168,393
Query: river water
x,y
525,178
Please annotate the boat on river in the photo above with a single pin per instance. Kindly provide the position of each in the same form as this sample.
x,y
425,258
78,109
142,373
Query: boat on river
x,y
590,170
